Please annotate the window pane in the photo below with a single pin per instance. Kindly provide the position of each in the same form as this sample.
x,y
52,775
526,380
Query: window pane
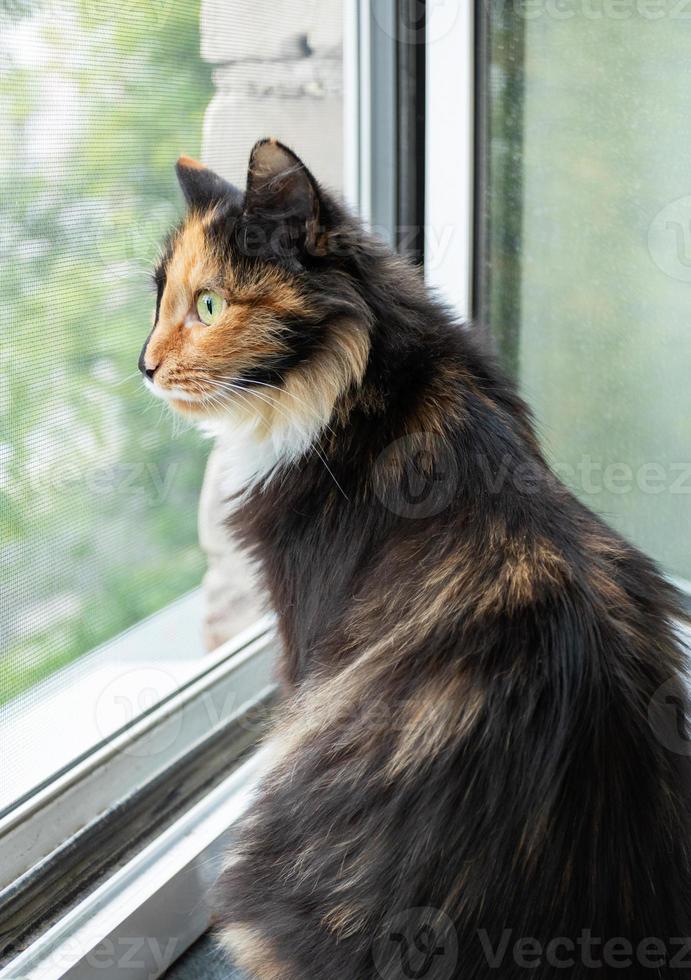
x,y
97,497
99,485
589,237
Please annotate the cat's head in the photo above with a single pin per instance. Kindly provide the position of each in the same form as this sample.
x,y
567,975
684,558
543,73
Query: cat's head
x,y
258,317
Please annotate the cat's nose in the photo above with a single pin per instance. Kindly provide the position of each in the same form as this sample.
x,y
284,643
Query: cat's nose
x,y
147,371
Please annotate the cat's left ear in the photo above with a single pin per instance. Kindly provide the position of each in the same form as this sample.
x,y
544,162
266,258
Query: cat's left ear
x,y
202,187
281,190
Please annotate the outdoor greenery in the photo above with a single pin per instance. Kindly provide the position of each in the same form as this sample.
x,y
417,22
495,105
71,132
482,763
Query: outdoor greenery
x,y
587,289
98,494
590,253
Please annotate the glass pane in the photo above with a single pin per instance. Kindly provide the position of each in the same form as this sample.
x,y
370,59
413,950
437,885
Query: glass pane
x,y
589,237
99,485
95,102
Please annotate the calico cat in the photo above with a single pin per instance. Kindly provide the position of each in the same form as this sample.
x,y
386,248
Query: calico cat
x,y
477,768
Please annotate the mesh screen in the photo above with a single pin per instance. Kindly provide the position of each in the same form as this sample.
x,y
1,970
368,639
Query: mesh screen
x,y
590,252
98,487
97,511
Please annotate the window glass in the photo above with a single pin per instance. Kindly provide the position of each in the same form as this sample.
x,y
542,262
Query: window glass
x,y
97,496
588,260
99,484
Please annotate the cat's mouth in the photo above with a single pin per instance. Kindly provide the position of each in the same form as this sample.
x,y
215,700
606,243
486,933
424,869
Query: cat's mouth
x,y
186,402
182,401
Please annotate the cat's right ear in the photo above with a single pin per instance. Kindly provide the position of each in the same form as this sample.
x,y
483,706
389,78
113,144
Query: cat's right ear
x,y
202,187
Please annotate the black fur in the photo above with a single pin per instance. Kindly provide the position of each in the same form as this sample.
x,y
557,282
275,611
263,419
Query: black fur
x,y
468,691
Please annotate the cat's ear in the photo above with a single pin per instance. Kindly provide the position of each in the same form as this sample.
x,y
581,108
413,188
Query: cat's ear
x,y
280,189
202,187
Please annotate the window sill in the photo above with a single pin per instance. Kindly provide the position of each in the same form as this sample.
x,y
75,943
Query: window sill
x,y
65,838
110,686
150,911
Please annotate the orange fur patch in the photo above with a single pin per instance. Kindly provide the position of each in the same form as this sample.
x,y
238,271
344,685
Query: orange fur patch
x,y
444,710
201,359
253,953
191,163
204,361
528,568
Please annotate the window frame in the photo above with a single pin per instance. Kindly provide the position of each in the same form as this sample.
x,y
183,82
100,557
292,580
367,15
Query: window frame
x,y
385,109
54,830
80,827
457,172
450,156
143,916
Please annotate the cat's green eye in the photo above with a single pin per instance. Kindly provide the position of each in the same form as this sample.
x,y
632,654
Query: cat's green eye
x,y
209,306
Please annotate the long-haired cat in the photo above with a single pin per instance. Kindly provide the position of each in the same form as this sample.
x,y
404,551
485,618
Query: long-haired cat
x,y
481,763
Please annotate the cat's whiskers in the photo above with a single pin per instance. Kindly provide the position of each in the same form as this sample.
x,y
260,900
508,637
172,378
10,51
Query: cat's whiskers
x,y
225,404
267,399
124,381
236,384
290,394
244,393
161,415
206,397
222,399
313,447
150,404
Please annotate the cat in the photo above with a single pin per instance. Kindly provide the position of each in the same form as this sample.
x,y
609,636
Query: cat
x,y
477,770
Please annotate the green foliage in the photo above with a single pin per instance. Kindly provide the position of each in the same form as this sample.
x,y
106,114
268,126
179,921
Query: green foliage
x,y
97,497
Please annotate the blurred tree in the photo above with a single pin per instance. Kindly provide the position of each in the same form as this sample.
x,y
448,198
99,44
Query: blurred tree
x,y
97,499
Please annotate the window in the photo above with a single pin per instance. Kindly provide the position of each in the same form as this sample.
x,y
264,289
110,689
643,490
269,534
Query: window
x,y
585,270
109,694
100,486
554,203
98,505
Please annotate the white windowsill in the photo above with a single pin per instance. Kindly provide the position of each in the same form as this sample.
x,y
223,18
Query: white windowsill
x,y
68,714
218,690
136,924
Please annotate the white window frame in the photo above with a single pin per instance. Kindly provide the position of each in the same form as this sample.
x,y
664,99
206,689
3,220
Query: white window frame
x,y
228,681
449,169
145,902
357,94
144,917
